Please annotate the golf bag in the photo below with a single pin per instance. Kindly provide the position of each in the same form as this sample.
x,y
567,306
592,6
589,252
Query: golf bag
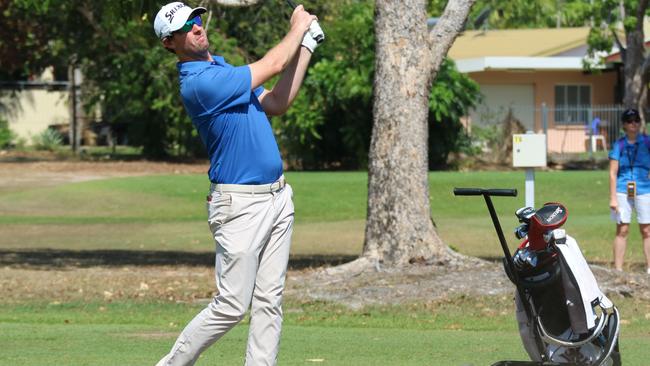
x,y
563,317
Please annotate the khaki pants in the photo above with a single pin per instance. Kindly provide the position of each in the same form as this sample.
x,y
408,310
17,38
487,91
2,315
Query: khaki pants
x,y
252,232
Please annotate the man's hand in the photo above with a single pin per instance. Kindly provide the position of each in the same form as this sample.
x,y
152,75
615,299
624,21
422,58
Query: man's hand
x,y
301,19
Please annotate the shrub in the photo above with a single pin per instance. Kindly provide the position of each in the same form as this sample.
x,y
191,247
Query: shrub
x,y
6,135
49,139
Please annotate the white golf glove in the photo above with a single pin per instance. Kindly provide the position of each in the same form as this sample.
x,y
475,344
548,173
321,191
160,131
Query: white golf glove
x,y
308,42
309,39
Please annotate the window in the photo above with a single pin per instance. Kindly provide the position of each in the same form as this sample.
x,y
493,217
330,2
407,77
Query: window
x,y
572,104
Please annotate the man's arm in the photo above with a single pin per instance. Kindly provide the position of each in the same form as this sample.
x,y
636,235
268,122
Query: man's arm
x,y
277,100
280,56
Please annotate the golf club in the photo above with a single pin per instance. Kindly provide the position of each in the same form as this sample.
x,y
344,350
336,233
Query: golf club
x,y
314,28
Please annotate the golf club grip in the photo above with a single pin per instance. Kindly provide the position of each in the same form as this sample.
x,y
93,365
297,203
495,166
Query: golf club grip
x,y
291,4
481,192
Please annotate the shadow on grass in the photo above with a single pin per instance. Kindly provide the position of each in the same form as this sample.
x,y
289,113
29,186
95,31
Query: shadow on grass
x,y
44,258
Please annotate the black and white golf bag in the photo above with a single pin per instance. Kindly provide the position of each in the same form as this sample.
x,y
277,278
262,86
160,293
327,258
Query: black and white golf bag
x,y
563,316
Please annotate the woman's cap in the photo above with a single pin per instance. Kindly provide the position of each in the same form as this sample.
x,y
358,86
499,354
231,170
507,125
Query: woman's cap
x,y
630,115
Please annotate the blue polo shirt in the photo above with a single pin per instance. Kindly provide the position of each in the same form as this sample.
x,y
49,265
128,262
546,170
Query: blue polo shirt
x,y
230,121
633,164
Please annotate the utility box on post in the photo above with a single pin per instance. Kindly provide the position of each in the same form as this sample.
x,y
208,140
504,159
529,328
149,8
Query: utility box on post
x,y
529,151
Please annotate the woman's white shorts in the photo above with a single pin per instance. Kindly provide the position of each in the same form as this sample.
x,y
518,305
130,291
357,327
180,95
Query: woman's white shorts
x,y
640,203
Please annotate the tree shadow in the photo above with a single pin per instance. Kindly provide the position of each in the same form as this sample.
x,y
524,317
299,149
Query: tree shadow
x,y
56,258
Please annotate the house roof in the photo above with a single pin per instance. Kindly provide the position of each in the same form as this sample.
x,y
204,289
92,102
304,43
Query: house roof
x,y
519,63
615,56
518,42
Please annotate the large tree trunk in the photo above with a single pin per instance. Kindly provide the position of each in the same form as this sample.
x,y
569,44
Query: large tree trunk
x,y
399,228
635,64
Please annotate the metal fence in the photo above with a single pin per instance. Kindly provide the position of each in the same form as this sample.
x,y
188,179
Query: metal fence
x,y
581,129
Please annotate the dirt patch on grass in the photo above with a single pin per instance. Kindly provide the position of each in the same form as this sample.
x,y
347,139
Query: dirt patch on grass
x,y
51,173
106,284
195,284
423,283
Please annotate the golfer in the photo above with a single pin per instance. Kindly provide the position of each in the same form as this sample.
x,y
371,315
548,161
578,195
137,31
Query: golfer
x,y
629,185
250,211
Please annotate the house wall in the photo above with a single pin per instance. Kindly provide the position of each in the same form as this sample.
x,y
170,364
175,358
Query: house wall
x,y
35,110
602,86
499,99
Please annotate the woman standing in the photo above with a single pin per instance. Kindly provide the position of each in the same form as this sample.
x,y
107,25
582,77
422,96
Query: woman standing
x,y
629,185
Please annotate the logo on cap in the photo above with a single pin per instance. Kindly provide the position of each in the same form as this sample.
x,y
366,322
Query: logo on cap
x,y
170,14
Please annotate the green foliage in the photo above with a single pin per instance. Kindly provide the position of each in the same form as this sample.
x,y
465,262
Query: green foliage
x,y
6,135
331,122
612,19
608,20
26,45
126,70
522,13
49,139
452,95
486,136
134,80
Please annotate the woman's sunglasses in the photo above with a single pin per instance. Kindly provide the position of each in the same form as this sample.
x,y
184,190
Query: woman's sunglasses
x,y
632,121
190,24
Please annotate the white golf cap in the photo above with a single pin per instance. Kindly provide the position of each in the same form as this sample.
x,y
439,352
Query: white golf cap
x,y
172,17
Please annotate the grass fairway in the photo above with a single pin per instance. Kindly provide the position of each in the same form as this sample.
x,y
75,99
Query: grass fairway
x,y
166,213
460,332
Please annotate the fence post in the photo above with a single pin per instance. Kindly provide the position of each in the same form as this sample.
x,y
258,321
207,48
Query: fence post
x,y
76,126
545,122
590,135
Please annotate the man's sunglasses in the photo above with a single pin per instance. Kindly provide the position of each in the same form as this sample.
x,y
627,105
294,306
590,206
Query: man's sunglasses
x,y
190,24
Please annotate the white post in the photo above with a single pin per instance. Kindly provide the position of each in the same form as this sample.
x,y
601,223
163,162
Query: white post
x,y
530,187
529,152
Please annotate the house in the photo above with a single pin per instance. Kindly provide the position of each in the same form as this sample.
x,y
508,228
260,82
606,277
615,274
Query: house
x,y
539,75
37,104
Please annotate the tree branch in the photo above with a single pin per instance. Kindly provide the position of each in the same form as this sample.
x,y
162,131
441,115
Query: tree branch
x,y
640,14
236,3
85,11
645,73
443,34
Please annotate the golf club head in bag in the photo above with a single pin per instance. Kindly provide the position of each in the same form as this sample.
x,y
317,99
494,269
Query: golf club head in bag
x,y
548,218
563,317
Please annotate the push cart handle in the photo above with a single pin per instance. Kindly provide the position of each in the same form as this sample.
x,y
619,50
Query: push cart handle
x,y
487,193
481,192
